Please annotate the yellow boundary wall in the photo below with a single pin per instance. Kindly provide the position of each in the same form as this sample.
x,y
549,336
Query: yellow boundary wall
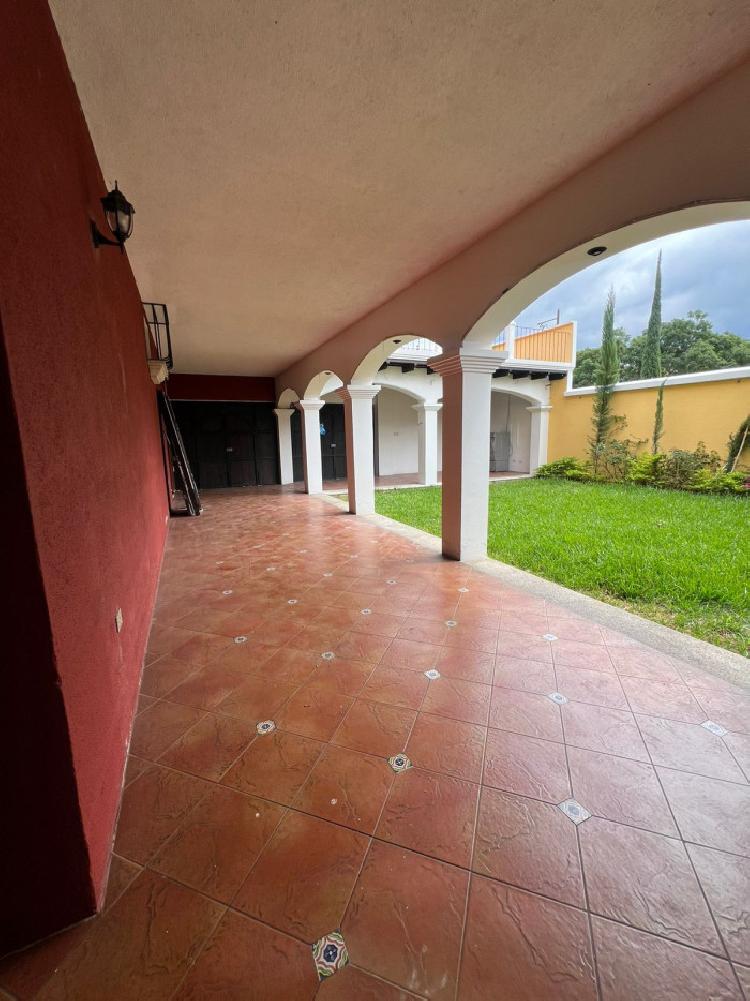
x,y
708,408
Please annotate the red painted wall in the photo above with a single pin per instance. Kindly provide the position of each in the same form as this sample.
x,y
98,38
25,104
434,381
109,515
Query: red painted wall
x,y
222,387
88,474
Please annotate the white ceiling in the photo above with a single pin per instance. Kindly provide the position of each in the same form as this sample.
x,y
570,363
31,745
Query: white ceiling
x,y
294,163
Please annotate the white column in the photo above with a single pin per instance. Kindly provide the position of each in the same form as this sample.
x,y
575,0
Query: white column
x,y
539,436
359,458
427,441
510,340
284,420
310,410
467,389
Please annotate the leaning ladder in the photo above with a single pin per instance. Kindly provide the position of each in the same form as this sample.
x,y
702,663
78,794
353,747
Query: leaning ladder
x,y
177,448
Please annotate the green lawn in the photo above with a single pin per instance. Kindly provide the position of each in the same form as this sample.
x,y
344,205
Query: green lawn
x,y
679,558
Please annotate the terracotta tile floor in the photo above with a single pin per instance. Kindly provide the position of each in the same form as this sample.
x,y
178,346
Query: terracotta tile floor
x,y
458,877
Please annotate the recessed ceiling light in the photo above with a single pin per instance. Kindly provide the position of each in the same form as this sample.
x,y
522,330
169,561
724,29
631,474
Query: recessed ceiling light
x,y
596,251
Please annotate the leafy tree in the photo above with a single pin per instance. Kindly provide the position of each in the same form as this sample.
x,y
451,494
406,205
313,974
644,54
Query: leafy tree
x,y
701,357
688,344
651,353
603,421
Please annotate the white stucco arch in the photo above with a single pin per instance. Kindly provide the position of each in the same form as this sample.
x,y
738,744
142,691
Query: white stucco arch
x,y
535,393
287,399
368,368
320,384
514,300
423,388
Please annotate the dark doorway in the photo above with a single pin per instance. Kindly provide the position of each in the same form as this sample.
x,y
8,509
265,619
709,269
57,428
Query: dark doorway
x,y
298,462
333,441
229,444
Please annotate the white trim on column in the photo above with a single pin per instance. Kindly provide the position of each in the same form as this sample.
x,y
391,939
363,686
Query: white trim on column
x,y
360,475
313,462
539,436
466,360
284,422
467,393
359,392
427,442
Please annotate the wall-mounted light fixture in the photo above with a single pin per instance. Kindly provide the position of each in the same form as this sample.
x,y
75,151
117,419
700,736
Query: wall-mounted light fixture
x,y
119,215
596,251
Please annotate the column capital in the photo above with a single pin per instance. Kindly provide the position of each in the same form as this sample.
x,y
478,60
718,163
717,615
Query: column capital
x,y
312,405
540,408
365,391
283,412
466,360
429,407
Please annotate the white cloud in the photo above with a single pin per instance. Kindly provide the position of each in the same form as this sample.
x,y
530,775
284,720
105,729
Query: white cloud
x,y
706,268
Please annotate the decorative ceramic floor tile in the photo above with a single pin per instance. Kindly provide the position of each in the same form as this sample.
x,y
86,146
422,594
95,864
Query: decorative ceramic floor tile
x,y
574,811
399,762
293,653
715,728
330,954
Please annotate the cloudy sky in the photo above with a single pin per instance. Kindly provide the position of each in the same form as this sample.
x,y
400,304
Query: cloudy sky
x,y
707,268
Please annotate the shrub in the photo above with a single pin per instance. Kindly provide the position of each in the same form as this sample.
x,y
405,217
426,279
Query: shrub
x,y
645,469
566,468
707,482
678,469
617,458
699,471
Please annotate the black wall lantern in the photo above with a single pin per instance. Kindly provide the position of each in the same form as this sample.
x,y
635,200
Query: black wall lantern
x,y
119,215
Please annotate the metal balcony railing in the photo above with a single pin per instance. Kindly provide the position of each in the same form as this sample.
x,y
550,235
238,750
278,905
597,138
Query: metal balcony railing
x,y
158,337
554,344
421,346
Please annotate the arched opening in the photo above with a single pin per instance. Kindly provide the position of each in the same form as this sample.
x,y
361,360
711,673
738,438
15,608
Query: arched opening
x,y
321,384
407,429
287,399
510,431
327,414
514,300
404,350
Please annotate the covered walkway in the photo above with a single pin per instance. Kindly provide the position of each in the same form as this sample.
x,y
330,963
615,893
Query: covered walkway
x,y
344,739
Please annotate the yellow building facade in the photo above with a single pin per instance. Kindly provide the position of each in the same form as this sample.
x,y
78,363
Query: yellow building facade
x,y
704,406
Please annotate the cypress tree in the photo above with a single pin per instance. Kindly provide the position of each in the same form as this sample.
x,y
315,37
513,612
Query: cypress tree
x,y
651,356
603,421
658,420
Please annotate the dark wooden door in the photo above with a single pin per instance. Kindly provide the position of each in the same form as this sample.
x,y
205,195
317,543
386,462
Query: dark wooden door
x,y
333,441
298,460
265,445
229,444
210,465
240,453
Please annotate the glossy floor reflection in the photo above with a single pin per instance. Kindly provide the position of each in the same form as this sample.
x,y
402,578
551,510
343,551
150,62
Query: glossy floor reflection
x,y
423,725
